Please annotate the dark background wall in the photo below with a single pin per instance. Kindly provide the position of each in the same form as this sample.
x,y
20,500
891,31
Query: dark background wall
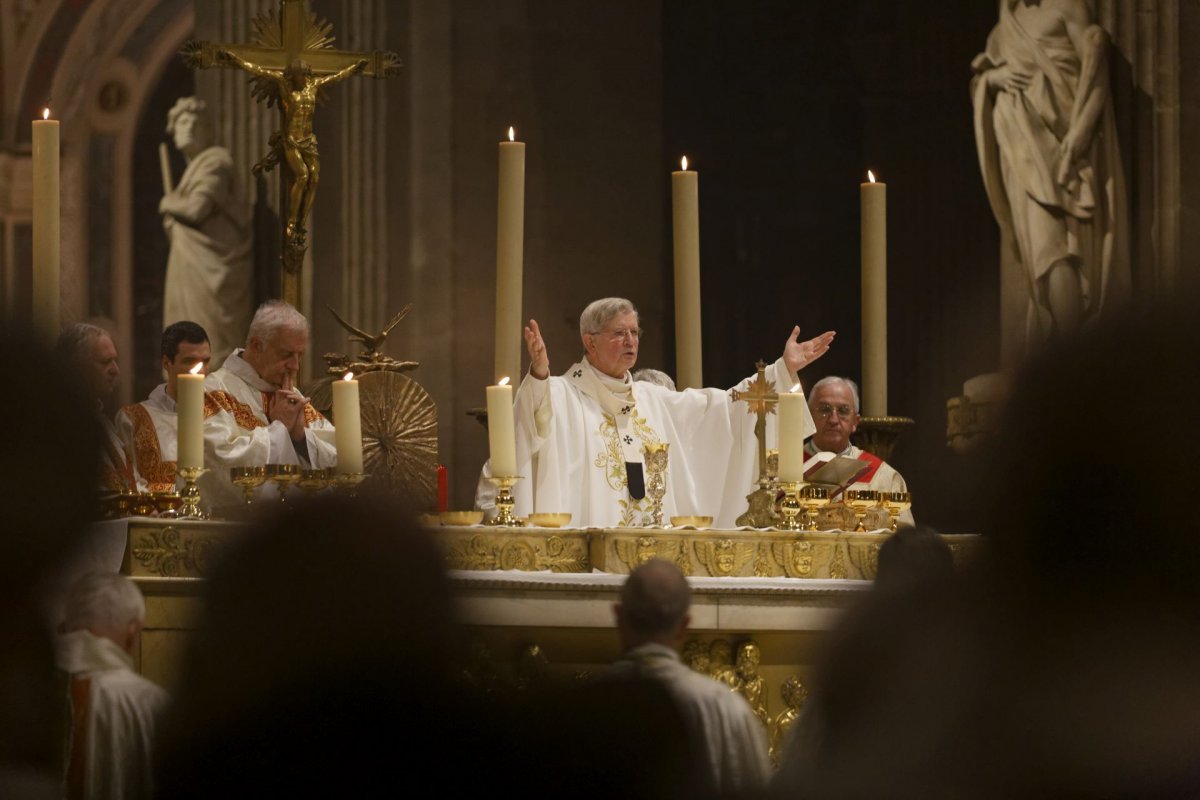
x,y
783,107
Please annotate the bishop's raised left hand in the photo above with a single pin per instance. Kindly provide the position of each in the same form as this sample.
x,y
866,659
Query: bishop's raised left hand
x,y
797,354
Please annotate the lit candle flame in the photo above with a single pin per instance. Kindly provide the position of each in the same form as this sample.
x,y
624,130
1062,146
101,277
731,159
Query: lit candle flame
x,y
348,376
502,382
871,176
196,369
45,113
512,135
683,163
795,388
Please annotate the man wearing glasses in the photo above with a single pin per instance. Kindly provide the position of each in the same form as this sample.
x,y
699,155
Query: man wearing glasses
x,y
581,437
833,402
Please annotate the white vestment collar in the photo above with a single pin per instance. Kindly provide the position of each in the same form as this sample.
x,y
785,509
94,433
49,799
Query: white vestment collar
x,y
618,400
237,365
811,449
83,651
160,400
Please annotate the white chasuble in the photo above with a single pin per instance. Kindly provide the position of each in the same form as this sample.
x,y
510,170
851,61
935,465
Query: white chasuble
x,y
239,433
149,431
579,437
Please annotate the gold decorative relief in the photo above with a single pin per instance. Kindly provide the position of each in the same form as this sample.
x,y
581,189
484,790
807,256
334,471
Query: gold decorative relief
x,y
166,552
634,552
796,558
724,557
526,552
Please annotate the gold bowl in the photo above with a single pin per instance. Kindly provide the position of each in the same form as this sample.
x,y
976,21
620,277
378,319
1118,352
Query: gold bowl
x,y
461,517
549,520
693,521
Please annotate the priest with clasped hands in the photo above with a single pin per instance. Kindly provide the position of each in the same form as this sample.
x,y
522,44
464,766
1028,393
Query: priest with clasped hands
x,y
580,436
254,415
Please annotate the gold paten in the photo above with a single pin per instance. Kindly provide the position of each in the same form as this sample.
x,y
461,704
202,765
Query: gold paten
x,y
547,520
699,523
291,59
460,517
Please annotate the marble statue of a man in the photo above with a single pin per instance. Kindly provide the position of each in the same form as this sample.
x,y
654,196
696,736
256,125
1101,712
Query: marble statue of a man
x,y
1047,145
210,271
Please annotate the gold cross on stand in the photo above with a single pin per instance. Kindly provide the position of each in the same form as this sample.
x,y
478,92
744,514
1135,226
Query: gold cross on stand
x,y
760,398
291,59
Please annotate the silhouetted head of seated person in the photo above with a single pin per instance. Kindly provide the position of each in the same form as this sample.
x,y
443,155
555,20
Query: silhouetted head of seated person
x,y
323,665
913,557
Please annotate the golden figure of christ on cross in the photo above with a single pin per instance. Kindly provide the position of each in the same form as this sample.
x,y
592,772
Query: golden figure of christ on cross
x,y
761,398
290,60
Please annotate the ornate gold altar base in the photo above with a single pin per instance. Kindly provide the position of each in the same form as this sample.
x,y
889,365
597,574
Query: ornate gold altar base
x,y
710,553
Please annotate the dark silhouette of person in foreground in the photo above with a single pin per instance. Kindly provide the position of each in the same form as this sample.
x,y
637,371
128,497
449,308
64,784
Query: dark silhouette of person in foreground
x,y
1065,662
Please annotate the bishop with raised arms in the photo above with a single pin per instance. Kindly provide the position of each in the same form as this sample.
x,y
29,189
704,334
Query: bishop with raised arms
x,y
580,436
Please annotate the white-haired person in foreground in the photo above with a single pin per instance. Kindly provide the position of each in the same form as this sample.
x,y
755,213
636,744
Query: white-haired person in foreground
x,y
254,413
114,710
581,437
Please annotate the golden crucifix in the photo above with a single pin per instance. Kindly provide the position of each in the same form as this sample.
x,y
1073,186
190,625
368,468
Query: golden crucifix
x,y
290,60
761,399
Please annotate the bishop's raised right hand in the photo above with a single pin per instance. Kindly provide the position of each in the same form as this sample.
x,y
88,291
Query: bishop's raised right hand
x,y
539,362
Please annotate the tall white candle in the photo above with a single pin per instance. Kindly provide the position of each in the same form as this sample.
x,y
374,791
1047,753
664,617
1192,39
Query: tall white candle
x,y
510,256
502,440
874,297
347,426
189,405
45,310
685,213
791,435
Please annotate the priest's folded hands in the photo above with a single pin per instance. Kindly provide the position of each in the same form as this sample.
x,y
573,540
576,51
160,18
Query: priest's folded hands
x,y
581,436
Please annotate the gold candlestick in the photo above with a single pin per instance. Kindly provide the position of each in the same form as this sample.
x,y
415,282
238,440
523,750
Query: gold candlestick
x,y
248,479
191,494
895,503
505,502
860,502
813,498
790,507
655,457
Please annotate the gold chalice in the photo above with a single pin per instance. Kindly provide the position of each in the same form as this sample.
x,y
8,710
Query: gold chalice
x,y
813,499
143,505
314,480
283,475
860,502
895,503
248,479
790,508
167,503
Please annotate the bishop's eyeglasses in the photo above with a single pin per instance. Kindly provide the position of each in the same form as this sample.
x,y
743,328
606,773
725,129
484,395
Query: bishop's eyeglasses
x,y
824,410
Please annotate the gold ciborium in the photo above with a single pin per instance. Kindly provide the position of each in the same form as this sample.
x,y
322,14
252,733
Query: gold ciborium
x,y
813,499
283,475
505,502
655,456
248,479
790,508
895,503
860,501
190,509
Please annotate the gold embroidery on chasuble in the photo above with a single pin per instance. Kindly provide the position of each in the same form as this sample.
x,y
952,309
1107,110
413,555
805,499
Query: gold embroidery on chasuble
x,y
311,415
159,474
612,462
242,414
